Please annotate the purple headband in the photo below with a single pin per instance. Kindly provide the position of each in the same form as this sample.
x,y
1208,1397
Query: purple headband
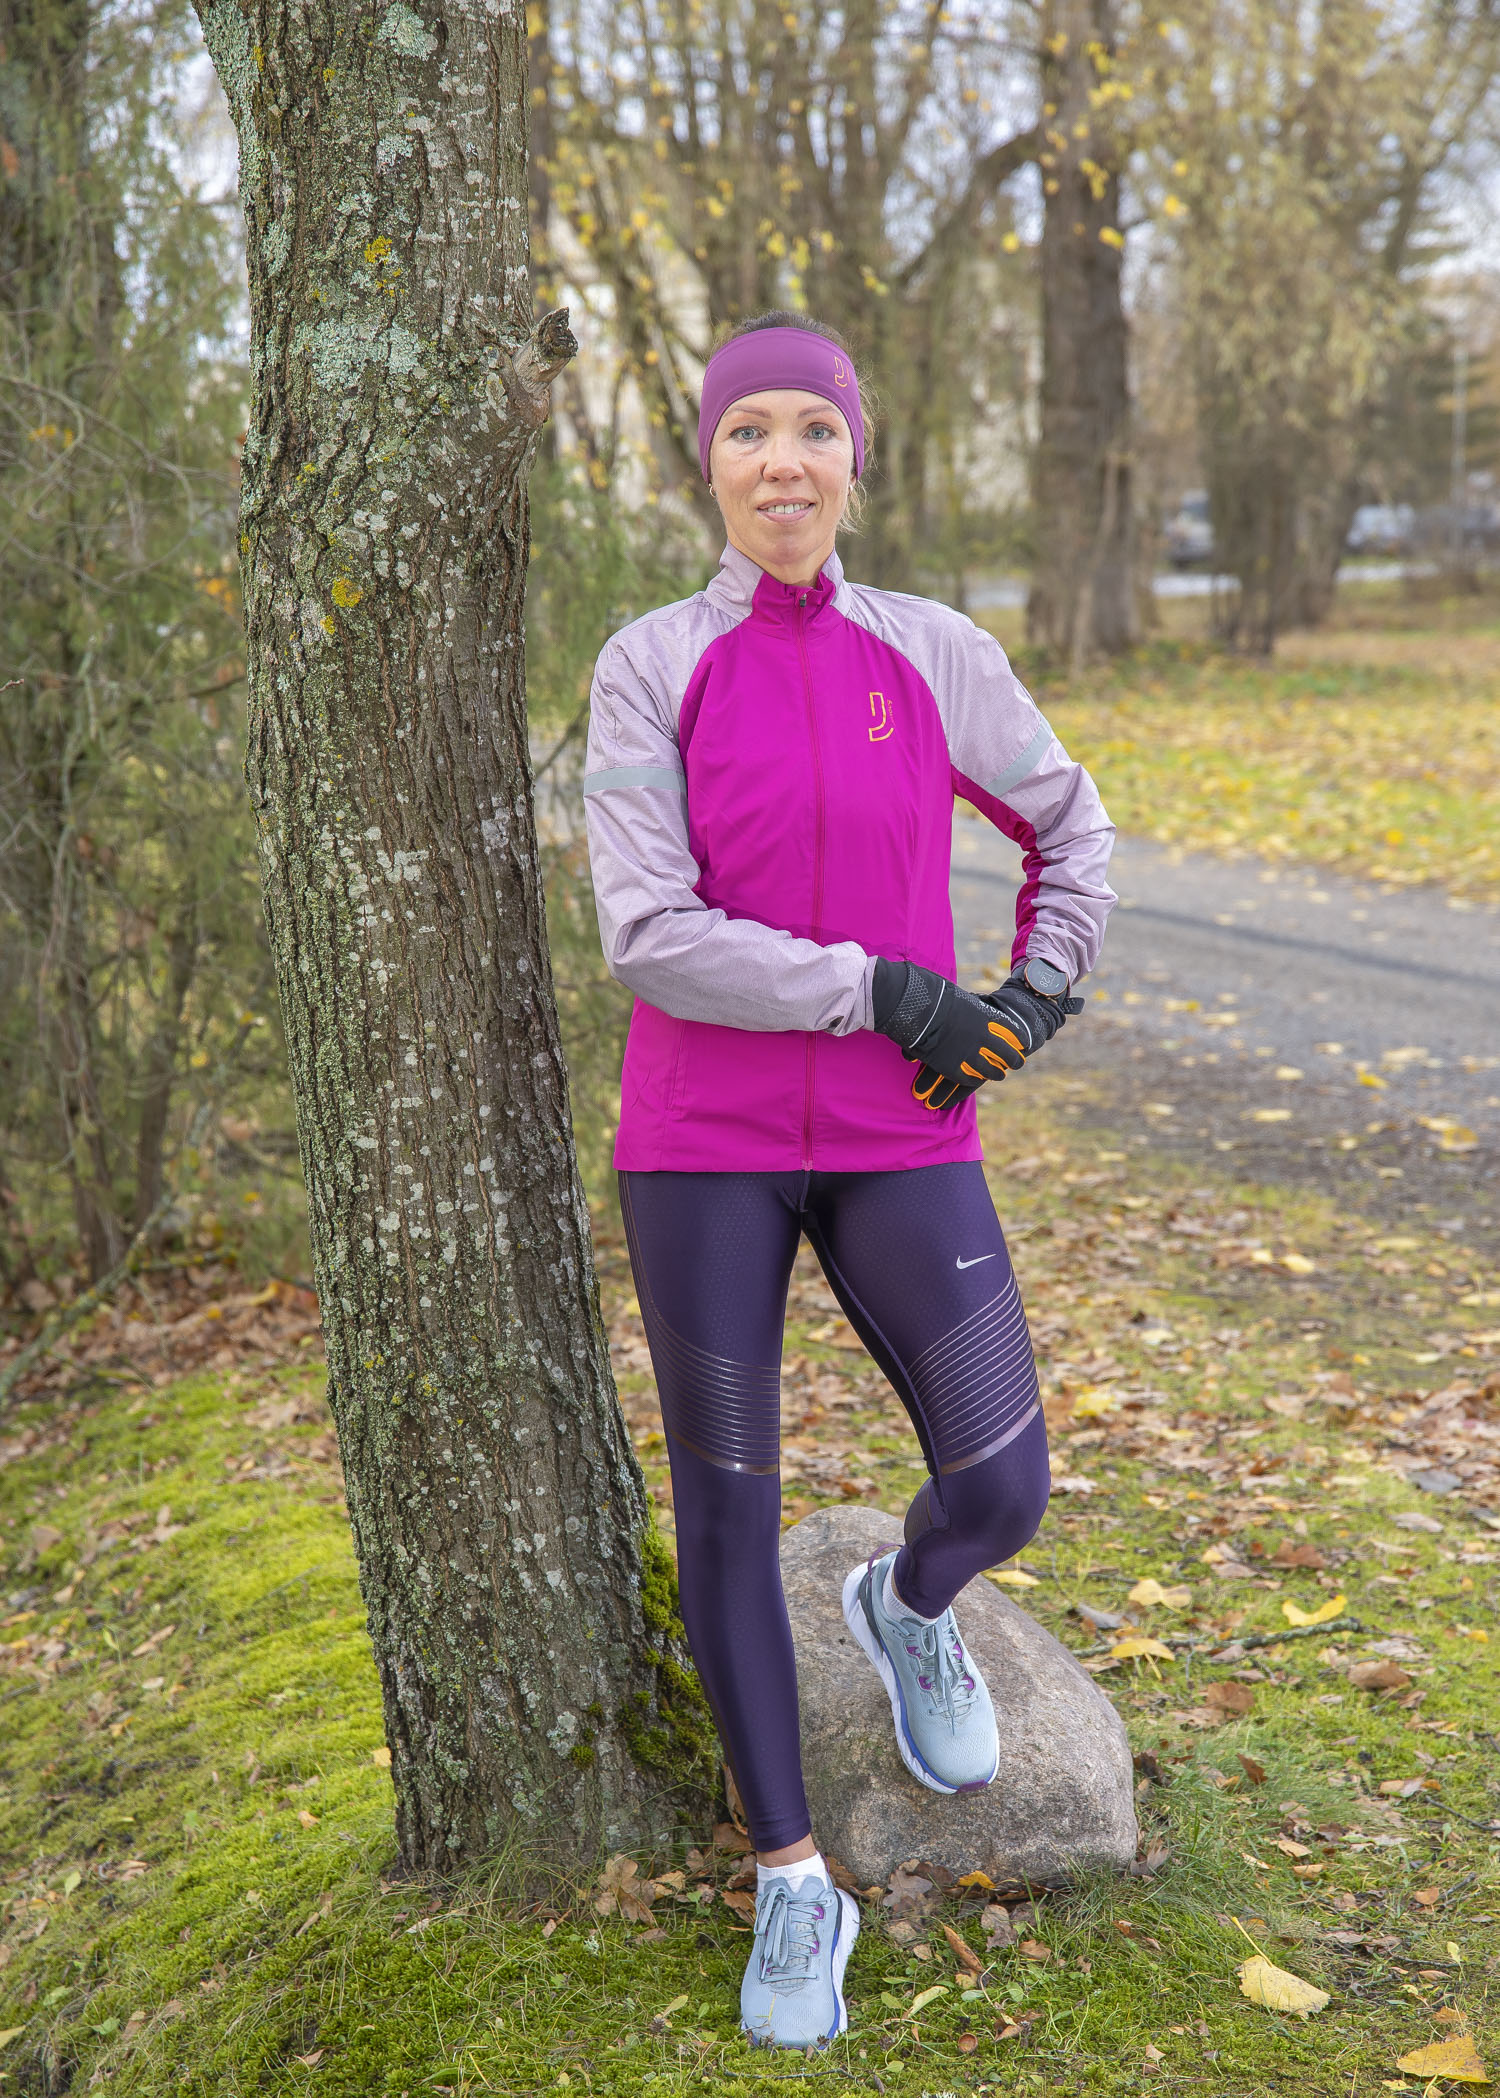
x,y
794,358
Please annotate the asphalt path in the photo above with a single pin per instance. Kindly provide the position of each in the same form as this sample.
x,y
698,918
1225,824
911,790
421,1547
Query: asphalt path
x,y
1318,1028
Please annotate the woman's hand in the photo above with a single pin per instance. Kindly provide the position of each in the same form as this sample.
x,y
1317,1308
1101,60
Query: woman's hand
x,y
960,1039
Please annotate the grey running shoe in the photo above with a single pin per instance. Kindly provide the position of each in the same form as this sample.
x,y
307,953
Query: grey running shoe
x,y
945,1723
793,1991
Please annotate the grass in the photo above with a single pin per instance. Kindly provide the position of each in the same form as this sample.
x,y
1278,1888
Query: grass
x,y
201,1893
1374,752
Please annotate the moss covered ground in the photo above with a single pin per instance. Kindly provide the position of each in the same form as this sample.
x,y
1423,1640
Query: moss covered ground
x,y
200,1887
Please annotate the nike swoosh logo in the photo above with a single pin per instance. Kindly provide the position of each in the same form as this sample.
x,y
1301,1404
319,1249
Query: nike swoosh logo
x,y
975,1261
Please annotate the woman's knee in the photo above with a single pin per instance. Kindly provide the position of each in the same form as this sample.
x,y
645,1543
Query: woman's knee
x,y
999,1505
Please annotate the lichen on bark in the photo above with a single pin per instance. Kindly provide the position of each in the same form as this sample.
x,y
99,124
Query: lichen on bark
x,y
398,382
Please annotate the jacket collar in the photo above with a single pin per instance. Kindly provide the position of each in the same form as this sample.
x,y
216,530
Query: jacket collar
x,y
744,586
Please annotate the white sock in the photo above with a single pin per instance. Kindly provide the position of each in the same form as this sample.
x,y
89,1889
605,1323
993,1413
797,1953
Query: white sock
x,y
891,1602
793,1872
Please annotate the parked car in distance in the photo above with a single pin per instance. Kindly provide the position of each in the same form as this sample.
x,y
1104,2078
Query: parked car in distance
x,y
1382,528
1188,533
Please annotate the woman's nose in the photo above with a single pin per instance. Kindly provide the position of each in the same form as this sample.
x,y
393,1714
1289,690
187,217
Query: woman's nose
x,y
781,459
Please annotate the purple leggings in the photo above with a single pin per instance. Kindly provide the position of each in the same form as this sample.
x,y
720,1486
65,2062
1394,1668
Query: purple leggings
x,y
918,1262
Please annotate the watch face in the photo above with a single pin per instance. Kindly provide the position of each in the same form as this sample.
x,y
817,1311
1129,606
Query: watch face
x,y
1045,979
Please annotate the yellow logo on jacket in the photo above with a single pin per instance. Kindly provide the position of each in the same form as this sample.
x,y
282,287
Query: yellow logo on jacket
x,y
882,713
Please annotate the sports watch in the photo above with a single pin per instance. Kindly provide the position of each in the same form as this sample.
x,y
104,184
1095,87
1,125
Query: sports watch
x,y
1044,978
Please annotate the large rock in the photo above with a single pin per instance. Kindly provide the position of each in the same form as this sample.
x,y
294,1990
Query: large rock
x,y
1063,1800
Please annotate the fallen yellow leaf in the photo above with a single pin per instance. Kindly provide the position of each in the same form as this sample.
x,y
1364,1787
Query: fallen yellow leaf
x,y
10,2033
978,1879
1334,1607
1370,1078
1298,1264
1012,1577
920,2003
1277,1990
1456,2059
1138,1645
381,1758
1149,1592
1093,1401
1271,1114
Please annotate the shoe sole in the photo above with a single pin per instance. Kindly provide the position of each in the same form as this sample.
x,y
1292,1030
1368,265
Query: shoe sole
x,y
846,1931
843,1945
863,1631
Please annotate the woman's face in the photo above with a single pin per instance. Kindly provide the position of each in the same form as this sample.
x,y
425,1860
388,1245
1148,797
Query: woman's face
x,y
781,467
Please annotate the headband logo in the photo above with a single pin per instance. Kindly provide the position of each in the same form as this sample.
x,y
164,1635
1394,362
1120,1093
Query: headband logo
x,y
840,372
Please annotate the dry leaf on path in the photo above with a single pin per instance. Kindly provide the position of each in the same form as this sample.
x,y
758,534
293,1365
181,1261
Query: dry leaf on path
x,y
1378,1675
1334,1607
1306,1555
1148,1592
1456,2059
1255,1773
1012,1577
964,1953
1229,1697
1138,1646
619,1889
1277,1990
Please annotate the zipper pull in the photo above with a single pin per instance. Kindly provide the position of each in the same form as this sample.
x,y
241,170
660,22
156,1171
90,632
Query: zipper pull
x,y
802,600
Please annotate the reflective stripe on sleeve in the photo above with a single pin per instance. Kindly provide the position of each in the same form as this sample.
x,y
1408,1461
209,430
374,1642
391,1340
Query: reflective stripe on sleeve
x,y
1026,763
635,776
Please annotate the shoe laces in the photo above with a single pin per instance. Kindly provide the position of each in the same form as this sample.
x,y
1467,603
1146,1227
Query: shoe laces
x,y
943,1669
787,1927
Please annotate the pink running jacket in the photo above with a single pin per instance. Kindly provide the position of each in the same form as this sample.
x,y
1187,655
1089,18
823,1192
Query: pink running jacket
x,y
770,783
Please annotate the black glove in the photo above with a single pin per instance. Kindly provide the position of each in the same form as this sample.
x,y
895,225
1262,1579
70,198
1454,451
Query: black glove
x,y
958,1038
961,1039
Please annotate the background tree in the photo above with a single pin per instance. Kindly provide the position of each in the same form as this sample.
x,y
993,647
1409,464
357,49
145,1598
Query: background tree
x,y
1309,147
398,386
132,967
1083,590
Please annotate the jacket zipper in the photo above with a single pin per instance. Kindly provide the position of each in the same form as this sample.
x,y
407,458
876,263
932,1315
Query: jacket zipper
x,y
818,831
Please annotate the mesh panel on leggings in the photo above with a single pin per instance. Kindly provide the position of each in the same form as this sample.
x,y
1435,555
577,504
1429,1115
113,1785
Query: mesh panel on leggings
x,y
727,1412
977,1384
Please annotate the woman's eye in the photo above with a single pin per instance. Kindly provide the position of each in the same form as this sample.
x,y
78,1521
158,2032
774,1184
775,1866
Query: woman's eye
x,y
820,431
745,430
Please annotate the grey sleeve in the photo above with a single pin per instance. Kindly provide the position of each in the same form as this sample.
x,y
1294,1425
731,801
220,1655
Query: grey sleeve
x,y
660,939
1008,763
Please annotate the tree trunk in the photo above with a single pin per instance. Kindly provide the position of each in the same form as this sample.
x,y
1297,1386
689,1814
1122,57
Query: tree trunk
x,y
161,1059
1082,595
517,1599
100,1229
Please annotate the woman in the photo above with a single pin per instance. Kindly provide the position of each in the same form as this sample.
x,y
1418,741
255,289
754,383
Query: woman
x,y
770,782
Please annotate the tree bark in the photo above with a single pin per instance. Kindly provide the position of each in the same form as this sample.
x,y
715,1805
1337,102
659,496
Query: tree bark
x,y
517,1606
1082,599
